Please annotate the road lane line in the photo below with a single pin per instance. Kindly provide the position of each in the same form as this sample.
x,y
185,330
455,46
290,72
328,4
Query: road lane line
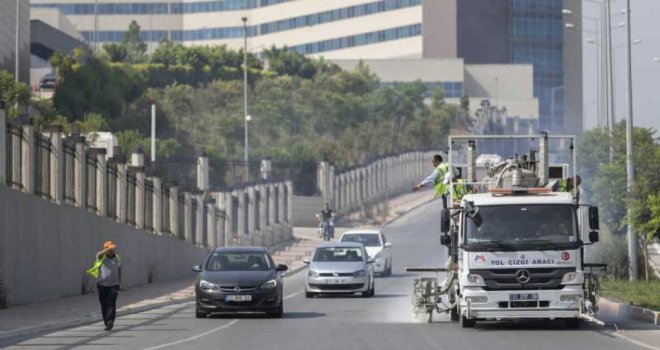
x,y
193,337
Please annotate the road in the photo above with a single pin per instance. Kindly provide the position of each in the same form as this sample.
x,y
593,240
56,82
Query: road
x,y
381,322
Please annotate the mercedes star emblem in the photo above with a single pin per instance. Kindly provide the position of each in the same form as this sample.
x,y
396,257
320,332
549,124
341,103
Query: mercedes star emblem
x,y
523,276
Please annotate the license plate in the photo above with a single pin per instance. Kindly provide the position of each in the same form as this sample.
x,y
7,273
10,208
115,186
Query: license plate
x,y
334,280
524,297
238,298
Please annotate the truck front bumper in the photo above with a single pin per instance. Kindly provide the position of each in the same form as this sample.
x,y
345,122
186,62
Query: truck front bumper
x,y
477,303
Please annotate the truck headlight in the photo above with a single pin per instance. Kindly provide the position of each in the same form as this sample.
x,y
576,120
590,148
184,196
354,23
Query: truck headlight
x,y
208,286
475,279
269,285
312,273
360,273
477,299
572,278
570,297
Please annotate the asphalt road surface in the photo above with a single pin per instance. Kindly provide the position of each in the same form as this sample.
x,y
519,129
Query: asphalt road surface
x,y
382,322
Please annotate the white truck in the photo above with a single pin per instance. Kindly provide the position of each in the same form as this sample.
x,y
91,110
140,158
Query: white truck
x,y
515,246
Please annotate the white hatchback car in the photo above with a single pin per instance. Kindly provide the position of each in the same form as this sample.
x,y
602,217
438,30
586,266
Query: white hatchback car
x,y
377,247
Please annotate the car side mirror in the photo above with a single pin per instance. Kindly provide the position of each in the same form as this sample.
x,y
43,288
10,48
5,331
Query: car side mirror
x,y
445,239
306,261
593,219
593,236
444,221
371,261
388,245
281,267
197,268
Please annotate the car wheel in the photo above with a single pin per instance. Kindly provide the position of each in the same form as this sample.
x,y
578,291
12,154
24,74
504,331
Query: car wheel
x,y
453,314
572,323
467,323
199,313
309,295
389,269
279,312
373,291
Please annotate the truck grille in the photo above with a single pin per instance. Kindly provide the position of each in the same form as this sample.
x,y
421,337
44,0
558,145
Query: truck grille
x,y
540,278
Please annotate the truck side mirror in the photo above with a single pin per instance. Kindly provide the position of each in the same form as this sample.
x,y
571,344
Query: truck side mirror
x,y
593,219
593,236
445,239
444,221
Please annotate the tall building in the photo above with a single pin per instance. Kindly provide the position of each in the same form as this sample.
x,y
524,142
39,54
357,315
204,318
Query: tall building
x,y
478,31
8,20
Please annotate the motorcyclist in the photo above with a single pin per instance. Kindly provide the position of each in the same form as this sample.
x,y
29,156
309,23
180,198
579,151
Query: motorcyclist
x,y
326,218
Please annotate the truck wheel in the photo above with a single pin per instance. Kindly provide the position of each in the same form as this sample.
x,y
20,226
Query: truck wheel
x,y
467,323
453,313
572,323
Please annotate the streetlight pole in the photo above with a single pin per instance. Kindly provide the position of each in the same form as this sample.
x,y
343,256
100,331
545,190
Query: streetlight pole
x,y
632,239
17,48
609,76
245,99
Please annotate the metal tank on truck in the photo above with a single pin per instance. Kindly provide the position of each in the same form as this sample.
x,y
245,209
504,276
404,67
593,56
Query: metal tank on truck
x,y
515,246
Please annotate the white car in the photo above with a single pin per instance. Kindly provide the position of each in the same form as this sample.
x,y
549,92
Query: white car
x,y
377,247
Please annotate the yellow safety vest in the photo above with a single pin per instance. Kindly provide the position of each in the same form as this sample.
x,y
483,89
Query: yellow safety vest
x,y
439,187
563,186
459,190
94,270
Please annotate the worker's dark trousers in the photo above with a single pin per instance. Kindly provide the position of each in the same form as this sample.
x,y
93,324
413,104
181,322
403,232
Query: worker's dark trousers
x,y
108,299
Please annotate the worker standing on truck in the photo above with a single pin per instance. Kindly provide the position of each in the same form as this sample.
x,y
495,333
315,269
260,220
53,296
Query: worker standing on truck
x,y
440,177
460,188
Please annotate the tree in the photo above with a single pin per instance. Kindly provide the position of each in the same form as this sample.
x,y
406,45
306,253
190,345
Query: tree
x,y
135,48
13,93
116,52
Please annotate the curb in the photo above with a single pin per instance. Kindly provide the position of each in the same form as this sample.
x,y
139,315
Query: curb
x,y
621,312
89,319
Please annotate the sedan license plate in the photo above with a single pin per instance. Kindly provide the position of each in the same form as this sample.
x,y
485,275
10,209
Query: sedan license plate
x,y
334,280
238,298
524,297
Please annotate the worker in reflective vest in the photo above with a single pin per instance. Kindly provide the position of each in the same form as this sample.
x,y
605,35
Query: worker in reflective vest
x,y
439,179
566,185
107,272
460,189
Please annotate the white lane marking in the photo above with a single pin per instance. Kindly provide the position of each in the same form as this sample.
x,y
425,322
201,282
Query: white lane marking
x,y
209,331
636,342
193,337
292,295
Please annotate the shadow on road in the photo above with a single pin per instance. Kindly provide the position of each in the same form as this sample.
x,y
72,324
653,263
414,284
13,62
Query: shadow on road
x,y
265,316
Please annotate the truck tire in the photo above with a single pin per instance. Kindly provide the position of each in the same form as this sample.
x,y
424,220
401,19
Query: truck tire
x,y
467,323
572,323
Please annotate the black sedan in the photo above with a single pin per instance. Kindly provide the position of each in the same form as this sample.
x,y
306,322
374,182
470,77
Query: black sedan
x,y
239,279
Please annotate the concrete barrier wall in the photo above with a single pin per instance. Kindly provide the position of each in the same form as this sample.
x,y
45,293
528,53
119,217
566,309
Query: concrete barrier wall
x,y
46,248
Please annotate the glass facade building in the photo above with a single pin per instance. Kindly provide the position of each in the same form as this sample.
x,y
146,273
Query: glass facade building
x,y
537,37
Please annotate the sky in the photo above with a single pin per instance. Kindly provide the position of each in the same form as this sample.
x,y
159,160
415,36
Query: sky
x,y
645,72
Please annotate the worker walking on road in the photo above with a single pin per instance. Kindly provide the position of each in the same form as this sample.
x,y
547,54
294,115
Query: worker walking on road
x,y
107,271
440,177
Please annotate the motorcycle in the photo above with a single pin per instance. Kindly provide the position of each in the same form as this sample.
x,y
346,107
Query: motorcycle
x,y
326,230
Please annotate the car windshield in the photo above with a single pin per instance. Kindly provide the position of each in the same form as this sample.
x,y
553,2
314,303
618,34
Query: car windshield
x,y
512,224
239,261
368,239
329,254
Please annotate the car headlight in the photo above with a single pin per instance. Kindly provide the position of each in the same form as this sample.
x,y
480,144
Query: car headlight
x,y
312,273
378,255
269,285
208,286
360,273
572,278
475,279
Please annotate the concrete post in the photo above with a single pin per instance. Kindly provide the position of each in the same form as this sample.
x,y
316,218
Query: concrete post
x,y
242,215
157,214
331,185
140,197
3,143
56,190
28,159
16,132
281,210
251,210
272,212
80,172
200,232
543,165
289,209
122,195
264,228
343,184
211,224
230,217
101,181
266,169
336,206
221,231
187,217
471,162
174,210
203,173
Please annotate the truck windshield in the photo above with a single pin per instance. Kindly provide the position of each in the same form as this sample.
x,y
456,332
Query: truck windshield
x,y
512,225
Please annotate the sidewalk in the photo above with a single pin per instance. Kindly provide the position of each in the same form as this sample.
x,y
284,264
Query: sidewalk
x,y
78,310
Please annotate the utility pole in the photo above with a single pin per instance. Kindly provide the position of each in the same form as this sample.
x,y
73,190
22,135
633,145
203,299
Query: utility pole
x,y
17,48
632,238
609,77
245,99
153,133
